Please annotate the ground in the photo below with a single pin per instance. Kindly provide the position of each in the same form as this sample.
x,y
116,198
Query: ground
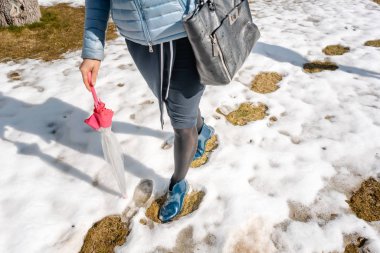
x,y
295,168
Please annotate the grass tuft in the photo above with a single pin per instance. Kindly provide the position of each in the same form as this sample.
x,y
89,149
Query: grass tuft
x,y
318,66
246,112
372,43
365,202
335,50
266,82
105,234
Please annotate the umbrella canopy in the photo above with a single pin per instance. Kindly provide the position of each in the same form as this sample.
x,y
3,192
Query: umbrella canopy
x,y
101,120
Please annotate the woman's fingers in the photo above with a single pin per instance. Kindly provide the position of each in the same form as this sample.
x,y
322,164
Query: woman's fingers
x,y
84,69
85,80
89,65
94,73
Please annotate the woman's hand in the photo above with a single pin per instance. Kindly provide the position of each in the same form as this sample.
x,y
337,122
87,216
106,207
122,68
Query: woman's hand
x,y
89,65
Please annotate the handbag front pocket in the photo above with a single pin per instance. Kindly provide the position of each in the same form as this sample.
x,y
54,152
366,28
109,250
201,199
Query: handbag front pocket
x,y
217,52
235,37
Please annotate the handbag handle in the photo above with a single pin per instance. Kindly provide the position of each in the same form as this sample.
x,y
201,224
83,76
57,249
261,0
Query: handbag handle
x,y
210,3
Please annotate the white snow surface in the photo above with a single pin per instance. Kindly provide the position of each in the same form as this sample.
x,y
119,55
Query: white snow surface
x,y
55,183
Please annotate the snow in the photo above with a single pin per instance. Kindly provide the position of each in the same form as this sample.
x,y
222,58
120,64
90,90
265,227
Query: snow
x,y
50,159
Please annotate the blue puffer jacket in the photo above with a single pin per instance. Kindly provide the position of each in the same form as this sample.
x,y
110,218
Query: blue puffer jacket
x,y
147,22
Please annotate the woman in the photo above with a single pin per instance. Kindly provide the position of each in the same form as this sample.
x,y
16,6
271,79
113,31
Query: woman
x,y
159,46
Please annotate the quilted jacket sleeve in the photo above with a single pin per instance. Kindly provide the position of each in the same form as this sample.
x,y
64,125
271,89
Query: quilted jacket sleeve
x,y
95,26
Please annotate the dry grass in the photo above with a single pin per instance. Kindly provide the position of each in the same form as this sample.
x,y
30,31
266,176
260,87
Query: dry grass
x,y
365,202
372,43
191,203
356,244
318,66
211,144
105,234
351,248
246,112
335,50
377,1
266,82
60,30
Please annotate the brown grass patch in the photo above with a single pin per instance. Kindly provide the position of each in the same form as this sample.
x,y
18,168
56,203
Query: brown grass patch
x,y
211,144
365,202
372,43
377,1
59,31
351,248
356,246
105,234
266,82
246,112
191,203
335,50
318,66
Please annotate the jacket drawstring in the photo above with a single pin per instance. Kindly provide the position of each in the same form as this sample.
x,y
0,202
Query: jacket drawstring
x,y
161,72
170,68
162,76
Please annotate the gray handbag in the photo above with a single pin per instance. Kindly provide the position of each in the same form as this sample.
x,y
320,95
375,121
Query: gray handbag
x,y
222,35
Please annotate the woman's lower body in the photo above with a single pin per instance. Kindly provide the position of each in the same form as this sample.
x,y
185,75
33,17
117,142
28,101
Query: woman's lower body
x,y
170,72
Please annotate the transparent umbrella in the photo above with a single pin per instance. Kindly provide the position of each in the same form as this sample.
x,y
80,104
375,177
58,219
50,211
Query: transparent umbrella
x,y
101,120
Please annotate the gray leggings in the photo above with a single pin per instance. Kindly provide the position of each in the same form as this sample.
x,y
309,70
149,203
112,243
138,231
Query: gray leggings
x,y
185,90
181,96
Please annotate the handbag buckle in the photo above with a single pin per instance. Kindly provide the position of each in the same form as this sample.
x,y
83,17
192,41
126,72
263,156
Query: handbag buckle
x,y
234,14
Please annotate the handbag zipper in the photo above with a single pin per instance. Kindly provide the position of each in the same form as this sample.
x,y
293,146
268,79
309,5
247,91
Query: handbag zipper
x,y
218,52
145,27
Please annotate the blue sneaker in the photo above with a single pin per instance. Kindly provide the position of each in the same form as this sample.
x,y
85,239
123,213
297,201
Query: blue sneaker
x,y
174,201
205,134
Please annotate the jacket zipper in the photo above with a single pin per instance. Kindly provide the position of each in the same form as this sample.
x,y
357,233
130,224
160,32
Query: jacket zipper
x,y
145,27
218,52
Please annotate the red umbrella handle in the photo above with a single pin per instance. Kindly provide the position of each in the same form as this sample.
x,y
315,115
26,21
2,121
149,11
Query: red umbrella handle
x,y
94,96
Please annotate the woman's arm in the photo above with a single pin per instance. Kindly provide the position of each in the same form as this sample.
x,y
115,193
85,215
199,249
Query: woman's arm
x,y
95,26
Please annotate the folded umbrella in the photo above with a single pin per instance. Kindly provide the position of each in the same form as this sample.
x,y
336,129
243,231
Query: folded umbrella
x,y
101,120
